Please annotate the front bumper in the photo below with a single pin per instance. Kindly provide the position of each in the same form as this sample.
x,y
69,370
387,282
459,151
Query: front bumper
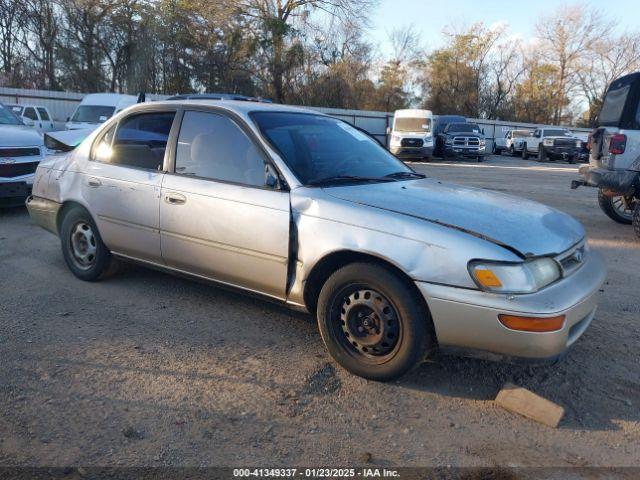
x,y
467,320
561,152
412,152
453,151
44,212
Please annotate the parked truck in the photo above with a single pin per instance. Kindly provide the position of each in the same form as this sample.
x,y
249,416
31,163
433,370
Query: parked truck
x,y
614,162
551,143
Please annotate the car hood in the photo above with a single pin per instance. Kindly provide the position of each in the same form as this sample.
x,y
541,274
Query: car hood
x,y
526,227
19,136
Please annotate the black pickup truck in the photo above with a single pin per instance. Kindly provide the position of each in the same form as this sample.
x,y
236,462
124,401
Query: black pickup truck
x,y
462,140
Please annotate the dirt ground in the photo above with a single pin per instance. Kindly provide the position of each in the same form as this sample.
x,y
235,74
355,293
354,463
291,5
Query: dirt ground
x,y
147,369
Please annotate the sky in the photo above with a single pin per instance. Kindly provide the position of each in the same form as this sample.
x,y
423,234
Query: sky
x,y
429,17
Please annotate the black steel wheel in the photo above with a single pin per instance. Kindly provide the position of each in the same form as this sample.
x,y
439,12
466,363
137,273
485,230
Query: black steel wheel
x,y
372,322
542,153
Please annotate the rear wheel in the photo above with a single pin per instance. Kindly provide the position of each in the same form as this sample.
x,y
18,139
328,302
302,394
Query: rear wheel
x,y
372,322
86,255
617,208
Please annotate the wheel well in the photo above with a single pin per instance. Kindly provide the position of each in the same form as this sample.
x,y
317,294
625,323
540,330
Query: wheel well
x,y
63,209
336,260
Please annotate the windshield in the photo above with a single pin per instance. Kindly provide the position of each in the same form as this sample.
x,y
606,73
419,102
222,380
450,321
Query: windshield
x,y
7,117
519,133
463,127
557,132
92,113
412,124
318,148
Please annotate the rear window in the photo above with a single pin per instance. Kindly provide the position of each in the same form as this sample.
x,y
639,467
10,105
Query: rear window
x,y
613,106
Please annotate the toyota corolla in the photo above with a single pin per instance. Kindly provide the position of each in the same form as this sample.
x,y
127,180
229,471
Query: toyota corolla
x,y
303,209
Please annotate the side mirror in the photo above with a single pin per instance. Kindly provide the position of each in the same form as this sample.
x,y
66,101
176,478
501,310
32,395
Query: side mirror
x,y
388,130
271,179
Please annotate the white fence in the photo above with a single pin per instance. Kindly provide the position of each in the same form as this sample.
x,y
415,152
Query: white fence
x,y
62,104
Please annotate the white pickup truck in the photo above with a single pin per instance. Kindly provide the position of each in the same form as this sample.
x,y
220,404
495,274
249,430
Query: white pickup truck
x,y
551,143
511,142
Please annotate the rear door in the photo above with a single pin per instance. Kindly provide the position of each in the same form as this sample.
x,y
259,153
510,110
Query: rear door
x,y
218,218
122,182
45,120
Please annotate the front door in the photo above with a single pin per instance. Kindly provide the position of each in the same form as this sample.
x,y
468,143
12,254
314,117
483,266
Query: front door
x,y
122,183
218,219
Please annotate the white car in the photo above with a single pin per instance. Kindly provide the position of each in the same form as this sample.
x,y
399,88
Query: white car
x,y
36,116
21,150
96,108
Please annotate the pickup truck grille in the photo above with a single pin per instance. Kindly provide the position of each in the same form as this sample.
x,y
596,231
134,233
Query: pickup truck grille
x,y
11,170
466,141
564,142
411,142
19,152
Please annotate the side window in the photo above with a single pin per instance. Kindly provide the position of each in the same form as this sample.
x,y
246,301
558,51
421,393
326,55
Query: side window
x,y
141,140
30,113
101,148
43,114
213,146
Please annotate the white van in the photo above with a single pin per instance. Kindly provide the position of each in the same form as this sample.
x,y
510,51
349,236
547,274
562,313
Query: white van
x,y
412,134
96,108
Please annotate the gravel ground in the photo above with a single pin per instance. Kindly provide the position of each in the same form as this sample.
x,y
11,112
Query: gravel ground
x,y
148,369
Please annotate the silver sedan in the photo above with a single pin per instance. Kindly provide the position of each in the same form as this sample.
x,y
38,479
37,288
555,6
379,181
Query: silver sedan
x,y
306,210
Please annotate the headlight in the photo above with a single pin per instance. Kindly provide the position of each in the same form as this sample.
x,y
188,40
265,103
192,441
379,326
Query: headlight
x,y
578,143
448,141
395,138
483,143
525,277
548,142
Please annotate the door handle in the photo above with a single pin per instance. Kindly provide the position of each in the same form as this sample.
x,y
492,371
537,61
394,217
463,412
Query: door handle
x,y
94,182
175,199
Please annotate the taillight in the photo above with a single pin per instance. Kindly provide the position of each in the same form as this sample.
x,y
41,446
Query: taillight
x,y
617,144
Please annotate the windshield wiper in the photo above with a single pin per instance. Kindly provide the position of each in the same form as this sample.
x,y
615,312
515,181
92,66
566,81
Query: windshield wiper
x,y
347,179
405,175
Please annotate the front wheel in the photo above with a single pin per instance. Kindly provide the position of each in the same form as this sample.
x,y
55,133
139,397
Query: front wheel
x,y
525,154
542,153
373,323
512,151
618,208
86,255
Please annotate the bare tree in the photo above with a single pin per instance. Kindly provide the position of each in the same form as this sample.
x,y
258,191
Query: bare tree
x,y
566,37
11,19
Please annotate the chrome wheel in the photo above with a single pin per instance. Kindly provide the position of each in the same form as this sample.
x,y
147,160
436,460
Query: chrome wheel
x,y
370,323
83,245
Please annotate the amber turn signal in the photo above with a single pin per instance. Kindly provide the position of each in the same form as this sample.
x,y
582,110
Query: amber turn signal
x,y
532,324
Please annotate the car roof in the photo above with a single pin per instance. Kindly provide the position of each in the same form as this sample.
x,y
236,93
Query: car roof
x,y
238,106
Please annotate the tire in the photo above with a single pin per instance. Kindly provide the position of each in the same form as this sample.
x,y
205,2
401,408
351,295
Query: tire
x,y
611,207
512,151
86,255
404,332
636,219
525,154
542,153
480,158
